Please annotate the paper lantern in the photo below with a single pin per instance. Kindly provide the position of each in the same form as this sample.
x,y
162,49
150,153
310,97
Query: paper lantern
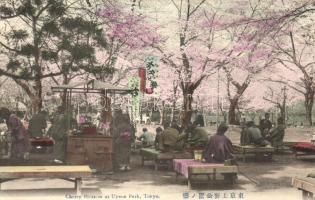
x,y
149,90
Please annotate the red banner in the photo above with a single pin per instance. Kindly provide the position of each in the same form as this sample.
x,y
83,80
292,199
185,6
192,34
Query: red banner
x,y
142,75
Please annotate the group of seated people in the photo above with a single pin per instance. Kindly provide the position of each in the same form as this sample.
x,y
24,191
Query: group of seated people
x,y
263,134
218,147
173,138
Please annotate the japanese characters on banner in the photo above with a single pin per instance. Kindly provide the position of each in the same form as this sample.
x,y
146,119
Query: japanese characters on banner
x,y
138,84
151,73
133,83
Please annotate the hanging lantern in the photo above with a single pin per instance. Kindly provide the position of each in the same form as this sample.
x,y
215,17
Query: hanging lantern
x,y
149,90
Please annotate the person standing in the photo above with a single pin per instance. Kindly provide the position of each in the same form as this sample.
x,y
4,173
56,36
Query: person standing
x,y
58,131
38,124
20,139
123,135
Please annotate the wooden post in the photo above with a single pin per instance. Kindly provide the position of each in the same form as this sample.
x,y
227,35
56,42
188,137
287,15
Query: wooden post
x,y
189,180
244,158
307,195
156,163
142,160
78,185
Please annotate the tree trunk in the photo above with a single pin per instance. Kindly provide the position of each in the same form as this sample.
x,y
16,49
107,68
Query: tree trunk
x,y
162,111
308,112
64,93
173,117
232,111
36,103
64,99
187,108
233,119
282,112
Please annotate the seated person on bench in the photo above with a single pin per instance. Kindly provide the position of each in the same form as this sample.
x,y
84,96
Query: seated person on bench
x,y
277,134
158,131
253,135
265,125
171,139
198,137
146,138
219,148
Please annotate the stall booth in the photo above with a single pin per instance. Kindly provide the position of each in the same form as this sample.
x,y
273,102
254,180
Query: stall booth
x,y
87,143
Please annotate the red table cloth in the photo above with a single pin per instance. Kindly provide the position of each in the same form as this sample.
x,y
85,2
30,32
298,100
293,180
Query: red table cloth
x,y
44,141
181,165
304,147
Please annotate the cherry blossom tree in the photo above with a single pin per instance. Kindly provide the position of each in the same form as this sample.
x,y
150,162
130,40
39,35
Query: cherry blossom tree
x,y
297,56
280,98
190,58
294,45
245,54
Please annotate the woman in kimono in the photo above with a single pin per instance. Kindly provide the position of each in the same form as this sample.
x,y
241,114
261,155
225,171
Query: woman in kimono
x,y
20,139
123,135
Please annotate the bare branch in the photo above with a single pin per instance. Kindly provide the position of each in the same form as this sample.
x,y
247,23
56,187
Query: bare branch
x,y
286,83
8,48
196,8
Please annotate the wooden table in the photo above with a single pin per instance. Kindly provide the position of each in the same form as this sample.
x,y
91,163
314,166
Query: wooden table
x,y
251,149
307,185
162,158
94,150
190,168
69,173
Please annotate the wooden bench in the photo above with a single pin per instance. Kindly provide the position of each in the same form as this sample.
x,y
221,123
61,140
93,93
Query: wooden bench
x,y
251,149
69,173
307,185
162,158
190,168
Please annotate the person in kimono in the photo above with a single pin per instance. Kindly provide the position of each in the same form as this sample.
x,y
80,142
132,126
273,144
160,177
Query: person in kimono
x,y
38,124
254,135
58,131
20,146
198,136
171,139
158,134
219,147
265,125
146,138
277,134
123,135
